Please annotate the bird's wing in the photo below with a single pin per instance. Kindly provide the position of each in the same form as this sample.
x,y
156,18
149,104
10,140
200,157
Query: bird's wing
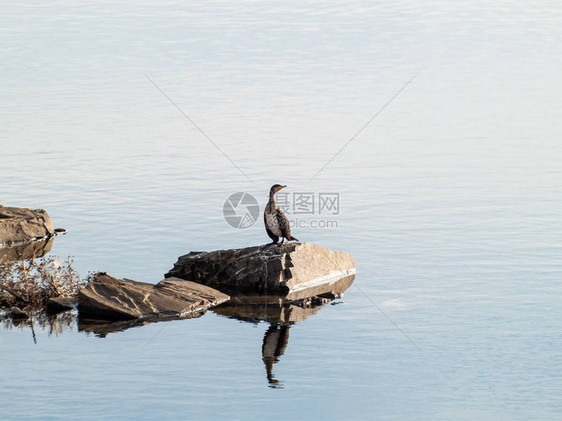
x,y
283,224
271,235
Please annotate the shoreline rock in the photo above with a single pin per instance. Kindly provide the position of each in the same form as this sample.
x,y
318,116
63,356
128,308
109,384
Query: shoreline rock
x,y
22,225
268,269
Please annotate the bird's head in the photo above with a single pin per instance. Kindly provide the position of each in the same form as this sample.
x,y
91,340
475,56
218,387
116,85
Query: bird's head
x,y
275,188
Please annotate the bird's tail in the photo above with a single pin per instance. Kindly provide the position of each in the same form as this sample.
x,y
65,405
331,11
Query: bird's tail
x,y
294,239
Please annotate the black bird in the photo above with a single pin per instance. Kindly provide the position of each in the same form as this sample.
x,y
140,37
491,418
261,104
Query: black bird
x,y
276,223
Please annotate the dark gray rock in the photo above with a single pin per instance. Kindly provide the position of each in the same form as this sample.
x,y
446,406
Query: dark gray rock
x,y
57,305
285,269
17,313
117,299
19,225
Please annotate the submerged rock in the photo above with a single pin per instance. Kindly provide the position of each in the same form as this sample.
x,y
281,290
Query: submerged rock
x,y
19,225
285,269
17,313
59,304
116,299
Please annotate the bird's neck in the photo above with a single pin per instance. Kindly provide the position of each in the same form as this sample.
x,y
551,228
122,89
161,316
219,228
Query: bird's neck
x,y
272,203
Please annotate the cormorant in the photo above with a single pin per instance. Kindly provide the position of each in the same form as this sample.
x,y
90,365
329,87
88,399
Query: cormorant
x,y
276,223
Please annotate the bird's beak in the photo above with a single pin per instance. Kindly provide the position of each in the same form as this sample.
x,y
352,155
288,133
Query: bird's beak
x,y
282,187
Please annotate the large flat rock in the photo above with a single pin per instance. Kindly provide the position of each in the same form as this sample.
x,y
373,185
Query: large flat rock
x,y
117,299
19,225
284,269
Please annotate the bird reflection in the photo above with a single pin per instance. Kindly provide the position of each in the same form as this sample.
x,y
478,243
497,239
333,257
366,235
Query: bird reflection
x,y
275,341
281,312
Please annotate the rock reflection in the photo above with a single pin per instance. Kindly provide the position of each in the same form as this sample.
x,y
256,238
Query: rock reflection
x,y
55,324
70,320
30,250
102,327
281,312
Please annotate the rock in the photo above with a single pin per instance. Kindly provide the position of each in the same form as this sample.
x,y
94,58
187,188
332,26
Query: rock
x,y
16,313
19,225
269,269
57,305
116,299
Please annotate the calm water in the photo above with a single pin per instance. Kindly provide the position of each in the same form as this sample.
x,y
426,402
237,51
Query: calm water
x,y
450,200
